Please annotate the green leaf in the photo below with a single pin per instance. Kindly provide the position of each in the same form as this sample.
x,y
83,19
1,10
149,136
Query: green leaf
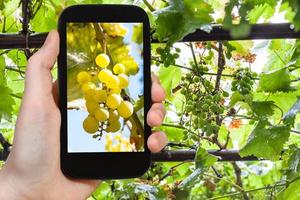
x,y
291,161
289,117
261,11
169,77
292,192
263,108
295,5
180,18
266,142
274,81
204,159
235,97
102,191
7,102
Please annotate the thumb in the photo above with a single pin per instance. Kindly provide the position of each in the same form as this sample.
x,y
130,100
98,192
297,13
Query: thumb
x,y
38,78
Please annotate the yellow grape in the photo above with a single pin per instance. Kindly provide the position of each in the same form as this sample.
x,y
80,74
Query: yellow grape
x,y
119,68
89,94
124,82
113,126
102,60
90,125
87,86
125,109
83,77
101,114
100,96
113,101
113,82
91,106
104,75
113,116
115,91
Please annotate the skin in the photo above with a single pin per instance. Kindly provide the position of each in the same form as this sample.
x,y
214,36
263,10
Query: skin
x,y
32,170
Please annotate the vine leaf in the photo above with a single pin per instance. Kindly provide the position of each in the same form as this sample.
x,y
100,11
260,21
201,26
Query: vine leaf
x,y
204,159
262,108
275,81
236,97
289,117
291,161
295,6
170,77
181,18
292,192
266,142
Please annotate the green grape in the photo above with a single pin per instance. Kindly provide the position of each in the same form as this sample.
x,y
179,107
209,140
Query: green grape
x,y
104,75
100,96
91,106
113,116
102,60
113,82
113,101
101,114
123,80
119,68
113,126
89,94
90,125
83,77
125,109
88,86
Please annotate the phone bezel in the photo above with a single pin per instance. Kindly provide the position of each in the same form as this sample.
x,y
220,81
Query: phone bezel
x,y
103,165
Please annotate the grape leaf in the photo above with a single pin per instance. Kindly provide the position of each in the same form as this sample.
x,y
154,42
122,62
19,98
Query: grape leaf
x,y
170,77
190,180
204,160
295,5
181,18
266,142
261,11
291,161
289,117
235,97
276,80
7,102
292,192
262,108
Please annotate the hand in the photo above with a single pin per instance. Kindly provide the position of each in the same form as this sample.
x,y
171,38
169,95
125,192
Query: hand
x,y
32,170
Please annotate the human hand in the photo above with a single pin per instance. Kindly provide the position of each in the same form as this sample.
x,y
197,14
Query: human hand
x,y
32,170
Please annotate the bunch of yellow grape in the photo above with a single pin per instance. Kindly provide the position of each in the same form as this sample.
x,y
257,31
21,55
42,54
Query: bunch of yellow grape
x,y
103,99
117,143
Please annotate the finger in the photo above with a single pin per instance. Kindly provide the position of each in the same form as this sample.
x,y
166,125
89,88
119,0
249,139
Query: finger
x,y
55,91
156,114
157,91
157,141
38,80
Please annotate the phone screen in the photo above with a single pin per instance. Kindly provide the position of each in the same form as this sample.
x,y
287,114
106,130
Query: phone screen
x,y
105,87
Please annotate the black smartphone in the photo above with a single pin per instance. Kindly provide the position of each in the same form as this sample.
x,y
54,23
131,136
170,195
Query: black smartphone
x,y
104,89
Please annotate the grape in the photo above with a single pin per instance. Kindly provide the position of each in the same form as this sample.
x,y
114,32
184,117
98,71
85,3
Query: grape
x,y
89,94
100,96
102,60
91,106
83,77
104,75
124,82
119,68
101,114
115,91
125,109
113,126
113,116
90,124
113,82
87,86
113,101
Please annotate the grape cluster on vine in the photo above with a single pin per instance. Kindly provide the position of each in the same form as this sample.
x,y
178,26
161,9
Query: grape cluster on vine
x,y
243,81
203,104
103,99
167,56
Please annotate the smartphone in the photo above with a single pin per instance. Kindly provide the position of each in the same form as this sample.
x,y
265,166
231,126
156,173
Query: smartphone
x,y
104,88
